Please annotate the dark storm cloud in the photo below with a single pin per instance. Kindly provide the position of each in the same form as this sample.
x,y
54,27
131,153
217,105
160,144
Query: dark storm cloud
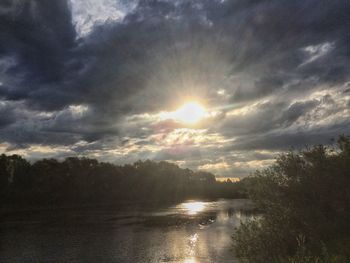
x,y
294,140
38,36
271,54
265,117
7,114
264,86
128,55
117,60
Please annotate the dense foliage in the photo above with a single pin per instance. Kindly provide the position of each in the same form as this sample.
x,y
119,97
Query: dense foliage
x,y
305,199
82,180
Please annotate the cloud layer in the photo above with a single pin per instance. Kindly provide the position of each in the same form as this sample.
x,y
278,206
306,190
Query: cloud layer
x,y
90,78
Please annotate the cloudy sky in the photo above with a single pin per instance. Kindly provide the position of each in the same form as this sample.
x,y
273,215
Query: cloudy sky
x,y
217,85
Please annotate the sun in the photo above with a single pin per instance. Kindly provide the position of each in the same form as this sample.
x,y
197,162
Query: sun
x,y
190,113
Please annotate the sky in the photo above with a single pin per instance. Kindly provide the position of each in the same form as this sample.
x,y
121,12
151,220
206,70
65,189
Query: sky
x,y
120,80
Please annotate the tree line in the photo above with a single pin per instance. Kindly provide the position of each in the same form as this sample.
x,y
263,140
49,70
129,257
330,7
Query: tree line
x,y
83,181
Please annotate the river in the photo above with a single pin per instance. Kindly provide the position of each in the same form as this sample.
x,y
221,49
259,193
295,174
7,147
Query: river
x,y
188,232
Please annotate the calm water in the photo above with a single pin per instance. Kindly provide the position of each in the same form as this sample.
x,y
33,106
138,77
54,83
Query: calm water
x,y
188,232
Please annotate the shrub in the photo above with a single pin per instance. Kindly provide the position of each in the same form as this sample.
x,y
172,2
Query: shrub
x,y
305,200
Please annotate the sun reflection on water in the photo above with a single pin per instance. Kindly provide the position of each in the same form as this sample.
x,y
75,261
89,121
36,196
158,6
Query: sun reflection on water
x,y
193,208
191,249
190,260
193,240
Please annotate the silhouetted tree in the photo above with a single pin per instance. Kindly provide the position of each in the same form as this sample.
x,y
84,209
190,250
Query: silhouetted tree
x,y
305,198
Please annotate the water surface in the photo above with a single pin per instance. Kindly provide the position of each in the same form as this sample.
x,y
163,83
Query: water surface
x,y
189,232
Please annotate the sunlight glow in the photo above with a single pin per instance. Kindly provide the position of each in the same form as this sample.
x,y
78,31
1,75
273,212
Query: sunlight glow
x,y
190,113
